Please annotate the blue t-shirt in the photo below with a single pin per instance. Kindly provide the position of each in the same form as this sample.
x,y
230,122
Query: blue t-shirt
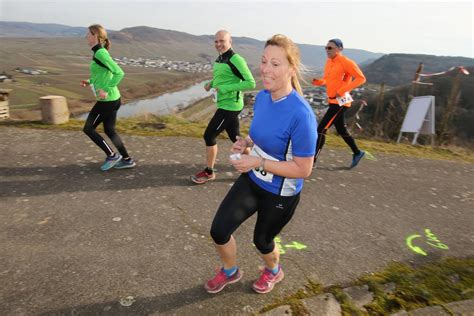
x,y
280,130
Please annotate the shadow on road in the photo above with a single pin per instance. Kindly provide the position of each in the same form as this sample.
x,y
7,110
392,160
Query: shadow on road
x,y
158,304
40,180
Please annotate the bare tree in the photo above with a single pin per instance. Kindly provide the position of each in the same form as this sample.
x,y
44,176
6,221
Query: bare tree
x,y
445,130
378,121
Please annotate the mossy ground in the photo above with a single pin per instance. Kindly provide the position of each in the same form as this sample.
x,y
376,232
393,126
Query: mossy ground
x,y
436,283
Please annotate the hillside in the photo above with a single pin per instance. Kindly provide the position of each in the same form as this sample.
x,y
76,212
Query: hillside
x,y
395,102
399,69
144,41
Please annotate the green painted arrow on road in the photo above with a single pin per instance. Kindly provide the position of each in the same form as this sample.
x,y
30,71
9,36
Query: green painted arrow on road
x,y
414,248
296,245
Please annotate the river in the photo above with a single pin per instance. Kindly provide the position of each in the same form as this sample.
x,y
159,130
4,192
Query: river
x,y
164,104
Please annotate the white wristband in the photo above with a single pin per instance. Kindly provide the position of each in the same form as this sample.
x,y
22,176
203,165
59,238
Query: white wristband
x,y
261,167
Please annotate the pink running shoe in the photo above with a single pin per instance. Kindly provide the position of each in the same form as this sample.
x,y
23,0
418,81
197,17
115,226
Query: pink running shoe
x,y
219,282
202,177
267,281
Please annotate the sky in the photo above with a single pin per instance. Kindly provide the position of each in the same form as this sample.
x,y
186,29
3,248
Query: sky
x,y
443,28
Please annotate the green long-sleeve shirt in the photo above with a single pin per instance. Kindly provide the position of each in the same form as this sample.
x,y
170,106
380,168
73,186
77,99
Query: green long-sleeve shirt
x,y
105,74
229,83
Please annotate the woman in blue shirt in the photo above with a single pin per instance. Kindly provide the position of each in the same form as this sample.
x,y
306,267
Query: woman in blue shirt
x,y
282,140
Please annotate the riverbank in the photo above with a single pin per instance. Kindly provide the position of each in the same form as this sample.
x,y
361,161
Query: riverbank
x,y
201,110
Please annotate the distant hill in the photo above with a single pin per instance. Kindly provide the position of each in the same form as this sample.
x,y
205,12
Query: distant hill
x,y
399,69
315,55
25,29
150,34
144,41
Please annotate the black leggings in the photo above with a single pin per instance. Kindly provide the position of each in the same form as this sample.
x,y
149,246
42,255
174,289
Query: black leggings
x,y
334,115
105,112
246,198
222,120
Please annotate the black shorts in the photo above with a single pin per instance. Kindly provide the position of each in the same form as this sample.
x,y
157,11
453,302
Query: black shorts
x,y
222,120
246,198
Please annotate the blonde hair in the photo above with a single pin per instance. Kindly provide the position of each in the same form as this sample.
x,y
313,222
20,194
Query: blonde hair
x,y
97,29
293,56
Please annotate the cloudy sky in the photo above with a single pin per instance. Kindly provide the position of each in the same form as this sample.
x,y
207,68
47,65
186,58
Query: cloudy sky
x,y
396,26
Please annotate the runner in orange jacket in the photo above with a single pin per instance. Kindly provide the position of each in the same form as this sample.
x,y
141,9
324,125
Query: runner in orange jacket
x,y
341,75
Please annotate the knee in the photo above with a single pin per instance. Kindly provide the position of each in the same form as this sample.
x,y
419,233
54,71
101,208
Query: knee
x,y
210,139
88,129
109,131
233,138
321,130
219,236
343,132
263,245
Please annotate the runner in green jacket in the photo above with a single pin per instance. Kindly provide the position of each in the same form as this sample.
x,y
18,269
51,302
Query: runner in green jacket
x,y
105,75
231,76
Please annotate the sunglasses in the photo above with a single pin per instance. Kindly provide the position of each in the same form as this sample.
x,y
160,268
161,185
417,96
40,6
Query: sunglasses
x,y
329,47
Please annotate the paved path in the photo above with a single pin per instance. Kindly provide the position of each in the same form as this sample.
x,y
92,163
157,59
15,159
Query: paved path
x,y
74,240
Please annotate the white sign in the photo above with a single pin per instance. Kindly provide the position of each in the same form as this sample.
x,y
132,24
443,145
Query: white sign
x,y
420,117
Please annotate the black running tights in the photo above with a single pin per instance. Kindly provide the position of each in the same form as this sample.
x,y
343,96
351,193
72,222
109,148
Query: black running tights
x,y
105,112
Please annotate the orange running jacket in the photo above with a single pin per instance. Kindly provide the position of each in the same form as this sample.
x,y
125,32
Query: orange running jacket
x,y
341,75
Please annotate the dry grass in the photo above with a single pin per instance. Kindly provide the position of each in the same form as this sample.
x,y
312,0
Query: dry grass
x,y
151,125
421,151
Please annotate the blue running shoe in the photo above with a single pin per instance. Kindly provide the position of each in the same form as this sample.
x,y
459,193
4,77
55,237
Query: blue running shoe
x,y
356,158
110,162
125,164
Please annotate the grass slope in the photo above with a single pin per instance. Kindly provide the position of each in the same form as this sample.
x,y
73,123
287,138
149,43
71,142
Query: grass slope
x,y
179,125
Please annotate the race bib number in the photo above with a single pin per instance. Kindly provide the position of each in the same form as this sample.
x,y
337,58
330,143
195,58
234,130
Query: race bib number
x,y
258,172
214,95
93,90
346,98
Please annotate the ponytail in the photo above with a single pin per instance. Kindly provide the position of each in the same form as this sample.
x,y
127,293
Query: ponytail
x,y
295,83
97,29
107,44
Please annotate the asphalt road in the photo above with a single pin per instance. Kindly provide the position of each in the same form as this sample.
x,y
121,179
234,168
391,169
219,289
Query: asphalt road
x,y
75,240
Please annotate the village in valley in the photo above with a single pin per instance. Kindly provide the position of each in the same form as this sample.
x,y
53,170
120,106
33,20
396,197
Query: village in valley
x,y
163,63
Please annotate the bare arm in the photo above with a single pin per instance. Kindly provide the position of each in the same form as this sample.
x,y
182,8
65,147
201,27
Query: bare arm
x,y
299,167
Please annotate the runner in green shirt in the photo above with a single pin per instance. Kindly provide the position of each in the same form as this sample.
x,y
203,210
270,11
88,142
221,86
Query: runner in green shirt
x,y
105,75
231,76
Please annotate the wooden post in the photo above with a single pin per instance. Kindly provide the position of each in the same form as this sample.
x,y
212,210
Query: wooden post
x,y
448,114
4,104
377,125
414,87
